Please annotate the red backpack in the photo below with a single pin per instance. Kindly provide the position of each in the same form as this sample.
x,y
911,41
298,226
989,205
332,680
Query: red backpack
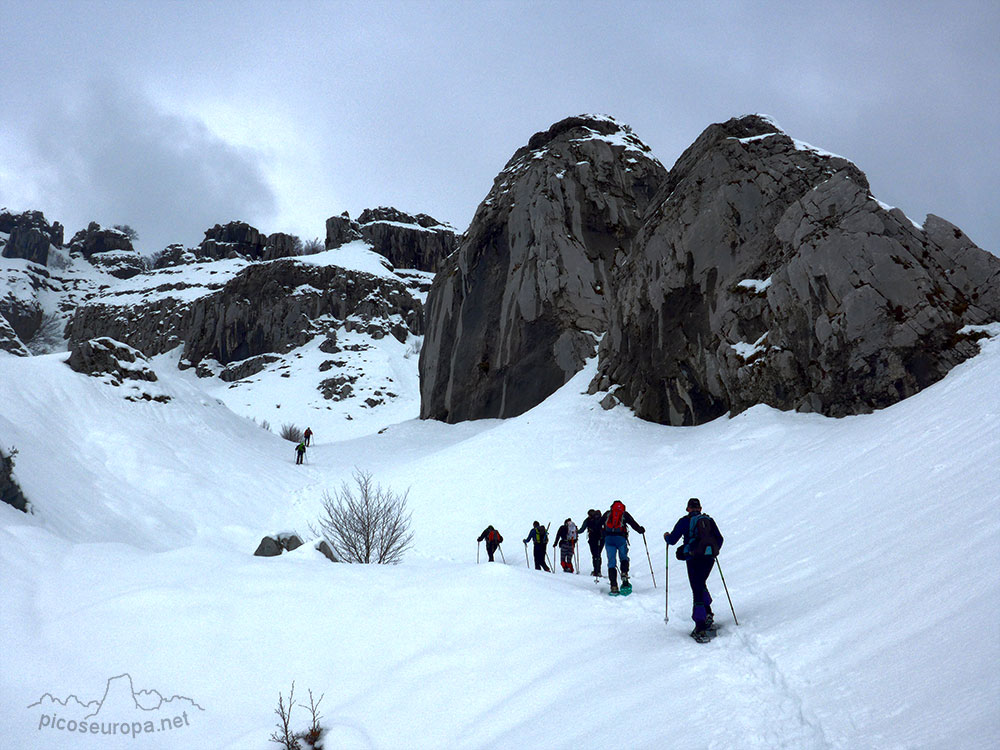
x,y
492,536
617,515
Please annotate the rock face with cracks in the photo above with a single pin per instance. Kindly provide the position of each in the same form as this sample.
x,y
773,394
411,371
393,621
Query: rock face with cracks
x,y
515,312
266,308
767,273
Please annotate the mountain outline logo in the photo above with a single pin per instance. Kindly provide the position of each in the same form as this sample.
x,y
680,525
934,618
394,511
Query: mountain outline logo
x,y
121,710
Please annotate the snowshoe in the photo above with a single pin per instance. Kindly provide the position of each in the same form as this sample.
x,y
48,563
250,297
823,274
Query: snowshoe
x,y
626,589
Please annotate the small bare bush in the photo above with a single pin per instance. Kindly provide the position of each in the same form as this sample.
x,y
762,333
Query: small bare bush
x,y
48,337
291,432
289,739
284,735
366,524
313,246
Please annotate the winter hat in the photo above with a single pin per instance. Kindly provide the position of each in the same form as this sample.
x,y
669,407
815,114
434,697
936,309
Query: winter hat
x,y
568,520
694,503
535,523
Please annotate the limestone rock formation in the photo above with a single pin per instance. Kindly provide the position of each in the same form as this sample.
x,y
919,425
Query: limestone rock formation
x,y
266,308
98,239
237,239
174,255
768,273
420,241
514,313
108,249
10,490
105,356
340,230
30,236
10,342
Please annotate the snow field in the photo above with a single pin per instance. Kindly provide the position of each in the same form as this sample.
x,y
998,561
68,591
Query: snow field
x,y
861,555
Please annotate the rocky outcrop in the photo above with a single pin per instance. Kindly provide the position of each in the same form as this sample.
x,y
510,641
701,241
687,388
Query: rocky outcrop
x,y
174,255
30,236
10,491
420,242
106,357
265,309
767,273
514,313
340,230
272,546
281,245
122,264
237,239
108,249
10,342
96,239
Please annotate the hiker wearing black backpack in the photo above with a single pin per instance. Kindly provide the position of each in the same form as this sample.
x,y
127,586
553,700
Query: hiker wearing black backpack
x,y
539,536
613,522
493,540
595,538
566,536
702,542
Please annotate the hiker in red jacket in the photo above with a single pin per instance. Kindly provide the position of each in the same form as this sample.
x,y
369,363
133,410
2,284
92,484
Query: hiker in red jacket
x,y
493,540
616,541
308,435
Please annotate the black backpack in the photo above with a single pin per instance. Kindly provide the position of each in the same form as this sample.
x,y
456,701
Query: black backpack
x,y
703,537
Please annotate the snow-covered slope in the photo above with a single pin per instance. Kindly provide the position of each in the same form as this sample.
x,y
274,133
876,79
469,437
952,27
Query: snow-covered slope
x,y
861,555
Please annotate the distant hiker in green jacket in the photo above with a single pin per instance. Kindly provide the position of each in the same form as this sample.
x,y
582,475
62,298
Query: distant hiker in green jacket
x,y
300,452
539,535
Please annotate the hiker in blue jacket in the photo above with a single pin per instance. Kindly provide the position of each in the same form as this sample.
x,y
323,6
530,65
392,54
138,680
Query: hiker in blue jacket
x,y
700,557
616,541
539,535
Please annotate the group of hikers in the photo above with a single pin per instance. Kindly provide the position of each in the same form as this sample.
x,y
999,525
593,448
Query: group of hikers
x,y
300,449
608,533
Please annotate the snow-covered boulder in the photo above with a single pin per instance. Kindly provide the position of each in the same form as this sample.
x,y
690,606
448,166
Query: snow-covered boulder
x,y
105,356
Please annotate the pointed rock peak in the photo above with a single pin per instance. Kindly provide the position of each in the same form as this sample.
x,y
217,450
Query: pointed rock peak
x,y
585,127
749,126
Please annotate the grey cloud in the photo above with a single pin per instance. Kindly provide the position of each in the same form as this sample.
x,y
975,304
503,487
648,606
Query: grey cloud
x,y
110,155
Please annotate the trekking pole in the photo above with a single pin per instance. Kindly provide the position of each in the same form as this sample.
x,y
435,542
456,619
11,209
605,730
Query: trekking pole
x,y
666,588
526,556
727,593
477,553
649,559
576,549
500,547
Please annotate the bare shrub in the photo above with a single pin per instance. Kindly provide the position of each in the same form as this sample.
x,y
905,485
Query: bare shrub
x,y
313,246
314,733
367,524
48,337
127,231
291,432
284,735
265,425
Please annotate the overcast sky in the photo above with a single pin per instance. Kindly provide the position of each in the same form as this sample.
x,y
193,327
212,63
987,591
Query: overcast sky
x,y
174,116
